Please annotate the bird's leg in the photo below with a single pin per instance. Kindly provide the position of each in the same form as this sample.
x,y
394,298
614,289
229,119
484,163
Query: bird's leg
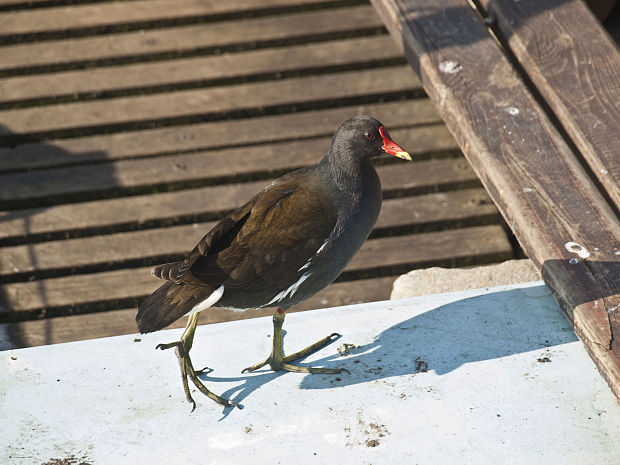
x,y
277,361
183,346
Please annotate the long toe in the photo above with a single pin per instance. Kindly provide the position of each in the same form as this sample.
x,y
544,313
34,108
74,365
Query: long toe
x,y
189,373
277,361
169,345
300,369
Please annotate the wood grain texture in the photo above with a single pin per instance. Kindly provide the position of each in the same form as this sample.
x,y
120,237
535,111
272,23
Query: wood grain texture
x,y
101,15
575,67
209,167
209,136
224,34
210,101
526,166
197,70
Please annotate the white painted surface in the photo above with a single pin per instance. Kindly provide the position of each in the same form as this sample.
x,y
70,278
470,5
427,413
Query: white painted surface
x,y
506,382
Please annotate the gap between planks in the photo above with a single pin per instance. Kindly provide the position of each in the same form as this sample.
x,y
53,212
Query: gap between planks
x,y
528,168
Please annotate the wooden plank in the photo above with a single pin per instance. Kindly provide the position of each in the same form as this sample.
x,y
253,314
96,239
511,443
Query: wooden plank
x,y
529,171
117,322
387,256
213,135
114,213
201,103
165,208
575,66
106,14
210,167
224,35
26,3
134,245
224,68
459,208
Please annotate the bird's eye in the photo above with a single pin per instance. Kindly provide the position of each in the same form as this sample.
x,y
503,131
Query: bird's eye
x,y
367,135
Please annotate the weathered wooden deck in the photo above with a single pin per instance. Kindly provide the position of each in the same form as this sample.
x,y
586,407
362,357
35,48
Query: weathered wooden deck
x,y
127,128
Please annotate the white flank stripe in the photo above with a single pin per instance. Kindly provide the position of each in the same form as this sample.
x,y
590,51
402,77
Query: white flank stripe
x,y
208,302
322,247
290,291
307,264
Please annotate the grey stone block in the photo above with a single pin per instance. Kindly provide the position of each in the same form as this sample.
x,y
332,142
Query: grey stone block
x,y
438,280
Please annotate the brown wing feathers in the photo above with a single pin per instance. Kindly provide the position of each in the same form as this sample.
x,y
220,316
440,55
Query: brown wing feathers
x,y
257,243
183,291
216,239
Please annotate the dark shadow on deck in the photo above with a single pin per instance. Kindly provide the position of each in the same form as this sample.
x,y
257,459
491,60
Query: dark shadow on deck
x,y
450,336
22,196
440,340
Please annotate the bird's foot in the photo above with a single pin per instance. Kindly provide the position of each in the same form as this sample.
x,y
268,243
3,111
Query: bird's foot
x,y
277,361
188,372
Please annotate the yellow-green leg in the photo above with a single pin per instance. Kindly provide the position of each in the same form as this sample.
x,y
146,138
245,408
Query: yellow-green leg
x,y
183,346
277,361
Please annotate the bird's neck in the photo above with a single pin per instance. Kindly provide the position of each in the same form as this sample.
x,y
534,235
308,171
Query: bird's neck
x,y
344,171
356,192
354,183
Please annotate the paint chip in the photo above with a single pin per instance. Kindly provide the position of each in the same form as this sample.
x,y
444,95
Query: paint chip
x,y
450,67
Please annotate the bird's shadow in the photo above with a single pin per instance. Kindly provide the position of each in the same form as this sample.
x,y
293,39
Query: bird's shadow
x,y
248,382
440,340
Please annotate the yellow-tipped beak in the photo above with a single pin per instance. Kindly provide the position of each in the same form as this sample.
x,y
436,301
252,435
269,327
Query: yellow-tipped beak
x,y
404,155
392,148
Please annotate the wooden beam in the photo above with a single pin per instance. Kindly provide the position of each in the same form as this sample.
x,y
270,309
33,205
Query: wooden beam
x,y
531,173
575,67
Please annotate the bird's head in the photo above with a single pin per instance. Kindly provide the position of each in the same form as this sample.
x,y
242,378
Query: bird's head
x,y
366,137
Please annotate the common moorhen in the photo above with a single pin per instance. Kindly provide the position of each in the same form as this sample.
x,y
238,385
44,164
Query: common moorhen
x,y
283,246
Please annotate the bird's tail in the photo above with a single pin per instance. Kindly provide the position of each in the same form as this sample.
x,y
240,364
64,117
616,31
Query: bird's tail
x,y
167,304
